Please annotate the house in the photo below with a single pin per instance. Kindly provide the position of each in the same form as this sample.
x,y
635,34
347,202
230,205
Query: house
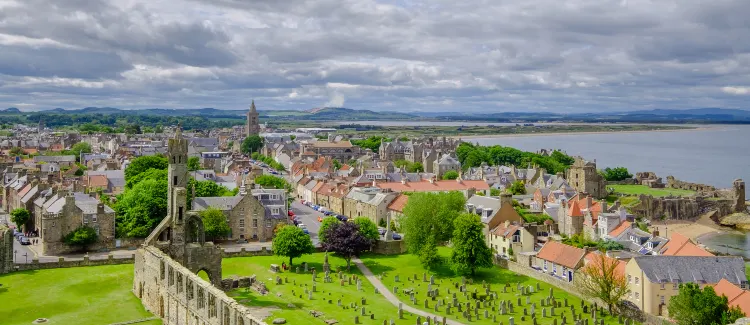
x,y
654,279
65,212
62,161
468,188
679,245
445,164
250,216
396,208
511,234
736,296
370,202
584,177
115,180
559,260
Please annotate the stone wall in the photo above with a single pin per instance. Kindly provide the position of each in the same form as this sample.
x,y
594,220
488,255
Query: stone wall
x,y
673,208
389,247
675,183
6,249
178,296
246,253
64,263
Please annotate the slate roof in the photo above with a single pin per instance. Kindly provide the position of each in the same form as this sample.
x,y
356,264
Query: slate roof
x,y
30,194
69,158
223,203
695,269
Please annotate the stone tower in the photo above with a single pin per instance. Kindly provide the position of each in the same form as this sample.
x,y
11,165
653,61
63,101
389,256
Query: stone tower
x,y
739,195
584,178
253,121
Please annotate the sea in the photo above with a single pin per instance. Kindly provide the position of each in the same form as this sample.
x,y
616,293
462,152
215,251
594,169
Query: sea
x,y
709,154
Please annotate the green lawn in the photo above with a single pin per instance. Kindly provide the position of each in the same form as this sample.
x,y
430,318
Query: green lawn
x,y
81,295
747,271
643,189
408,265
300,313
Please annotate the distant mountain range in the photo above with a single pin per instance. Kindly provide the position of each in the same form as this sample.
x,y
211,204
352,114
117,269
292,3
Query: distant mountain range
x,y
698,115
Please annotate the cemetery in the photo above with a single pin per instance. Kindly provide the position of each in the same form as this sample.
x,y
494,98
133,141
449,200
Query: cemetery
x,y
79,295
494,296
343,297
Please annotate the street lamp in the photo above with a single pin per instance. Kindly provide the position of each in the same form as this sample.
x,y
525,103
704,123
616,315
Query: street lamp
x,y
15,252
26,255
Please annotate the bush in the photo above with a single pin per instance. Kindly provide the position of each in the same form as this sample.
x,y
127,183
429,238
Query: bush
x,y
450,175
82,237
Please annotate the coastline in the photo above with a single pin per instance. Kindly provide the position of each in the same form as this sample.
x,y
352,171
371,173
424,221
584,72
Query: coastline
x,y
489,136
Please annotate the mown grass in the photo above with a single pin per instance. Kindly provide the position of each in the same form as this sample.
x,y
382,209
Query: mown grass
x,y
643,189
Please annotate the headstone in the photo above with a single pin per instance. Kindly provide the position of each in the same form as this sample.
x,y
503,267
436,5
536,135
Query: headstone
x,y
426,305
309,295
486,314
314,288
511,321
359,285
544,312
396,278
363,310
364,301
296,270
552,311
326,266
424,277
305,265
432,279
356,319
395,290
419,320
338,302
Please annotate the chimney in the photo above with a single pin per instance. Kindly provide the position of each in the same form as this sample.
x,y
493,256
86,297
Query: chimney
x,y
506,198
433,179
403,180
507,223
100,208
655,233
603,203
589,202
70,199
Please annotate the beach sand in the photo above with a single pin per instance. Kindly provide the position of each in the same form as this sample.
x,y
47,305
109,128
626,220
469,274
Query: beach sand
x,y
464,137
692,229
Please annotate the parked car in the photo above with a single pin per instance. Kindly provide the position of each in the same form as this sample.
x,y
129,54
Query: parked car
x,y
396,236
302,225
381,230
291,214
341,218
307,232
25,241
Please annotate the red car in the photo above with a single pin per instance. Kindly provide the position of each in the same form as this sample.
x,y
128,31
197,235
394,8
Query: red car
x,y
291,214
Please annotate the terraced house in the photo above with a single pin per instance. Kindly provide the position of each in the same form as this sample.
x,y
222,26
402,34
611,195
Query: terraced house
x,y
370,202
251,216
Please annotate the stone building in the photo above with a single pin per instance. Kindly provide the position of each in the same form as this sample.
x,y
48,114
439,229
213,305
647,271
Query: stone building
x,y
417,149
370,202
64,212
445,164
584,178
253,121
250,216
6,249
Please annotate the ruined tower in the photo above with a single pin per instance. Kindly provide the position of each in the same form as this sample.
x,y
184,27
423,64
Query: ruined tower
x,y
253,121
584,178
739,195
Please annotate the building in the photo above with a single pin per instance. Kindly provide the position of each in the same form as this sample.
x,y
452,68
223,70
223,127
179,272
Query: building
x,y
253,121
679,245
370,202
559,260
654,279
445,164
584,178
511,234
65,212
250,216
736,296
468,188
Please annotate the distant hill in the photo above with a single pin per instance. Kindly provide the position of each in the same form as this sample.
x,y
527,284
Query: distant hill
x,y
347,114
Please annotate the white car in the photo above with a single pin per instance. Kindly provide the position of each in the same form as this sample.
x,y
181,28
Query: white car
x,y
301,225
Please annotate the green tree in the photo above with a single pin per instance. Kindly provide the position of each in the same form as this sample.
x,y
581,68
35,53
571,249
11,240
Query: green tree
x,y
133,129
470,250
367,228
16,151
193,163
428,218
80,147
144,163
81,237
20,217
450,175
251,144
292,242
428,256
270,181
336,164
328,222
562,158
152,173
616,174
140,209
416,167
214,223
693,306
517,188
372,143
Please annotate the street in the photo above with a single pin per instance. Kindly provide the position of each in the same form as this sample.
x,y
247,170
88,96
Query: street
x,y
309,217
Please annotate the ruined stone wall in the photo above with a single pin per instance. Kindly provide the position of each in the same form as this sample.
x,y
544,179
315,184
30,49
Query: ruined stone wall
x,y
390,247
672,182
673,208
75,262
6,249
178,296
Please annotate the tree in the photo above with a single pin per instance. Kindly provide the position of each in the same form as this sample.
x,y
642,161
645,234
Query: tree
x,y
428,256
193,163
450,175
470,250
345,240
601,279
16,151
336,164
152,173
693,306
270,181
214,223
562,158
144,163
616,174
140,209
517,188
367,228
327,223
81,236
416,167
80,147
382,223
494,192
428,219
251,144
20,217
292,242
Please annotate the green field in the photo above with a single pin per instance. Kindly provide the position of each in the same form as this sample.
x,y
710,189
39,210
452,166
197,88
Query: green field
x,y
82,295
643,189
280,296
408,265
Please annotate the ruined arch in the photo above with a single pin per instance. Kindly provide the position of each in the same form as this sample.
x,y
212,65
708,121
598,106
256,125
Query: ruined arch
x,y
195,231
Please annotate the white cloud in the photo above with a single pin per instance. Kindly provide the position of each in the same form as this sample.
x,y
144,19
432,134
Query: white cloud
x,y
481,55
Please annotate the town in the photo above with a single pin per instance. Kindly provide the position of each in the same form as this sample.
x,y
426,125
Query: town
x,y
255,225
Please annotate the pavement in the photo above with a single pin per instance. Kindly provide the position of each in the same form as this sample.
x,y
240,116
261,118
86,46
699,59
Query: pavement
x,y
388,294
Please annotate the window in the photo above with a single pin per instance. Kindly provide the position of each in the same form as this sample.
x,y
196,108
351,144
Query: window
x,y
661,286
636,280
179,282
743,285
201,298
189,289
255,223
661,299
676,286
85,220
179,215
242,223
93,218
275,211
637,296
268,223
170,274
545,265
274,197
630,278
174,180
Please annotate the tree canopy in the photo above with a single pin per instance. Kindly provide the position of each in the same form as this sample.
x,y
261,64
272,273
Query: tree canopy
x,y
450,175
372,143
428,218
270,181
20,216
251,144
693,306
601,279
346,240
144,163
141,208
269,161
327,223
151,173
81,236
367,228
291,242
470,250
616,174
214,223
410,167
517,188
193,163
474,155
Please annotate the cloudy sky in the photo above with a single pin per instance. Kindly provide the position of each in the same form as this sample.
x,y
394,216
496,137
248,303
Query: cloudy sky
x,y
426,55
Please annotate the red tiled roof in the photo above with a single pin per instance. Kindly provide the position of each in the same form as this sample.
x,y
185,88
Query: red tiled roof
x,y
679,245
735,295
502,231
24,190
399,203
620,229
575,210
561,254
620,269
427,186
345,167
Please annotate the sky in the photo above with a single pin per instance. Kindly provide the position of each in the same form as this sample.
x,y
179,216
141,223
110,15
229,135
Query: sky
x,y
388,55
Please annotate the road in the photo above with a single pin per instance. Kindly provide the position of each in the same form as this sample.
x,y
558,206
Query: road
x,y
309,217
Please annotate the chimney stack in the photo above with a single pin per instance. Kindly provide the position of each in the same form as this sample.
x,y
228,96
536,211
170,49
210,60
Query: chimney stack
x,y
655,233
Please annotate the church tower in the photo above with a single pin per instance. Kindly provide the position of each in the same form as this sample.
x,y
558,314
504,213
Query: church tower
x,y
178,178
253,121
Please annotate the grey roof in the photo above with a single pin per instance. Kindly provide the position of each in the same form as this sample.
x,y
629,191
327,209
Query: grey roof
x,y
91,207
43,196
448,160
70,158
30,194
223,203
695,269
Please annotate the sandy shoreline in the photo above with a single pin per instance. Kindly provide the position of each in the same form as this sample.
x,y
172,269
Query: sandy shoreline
x,y
695,230
571,133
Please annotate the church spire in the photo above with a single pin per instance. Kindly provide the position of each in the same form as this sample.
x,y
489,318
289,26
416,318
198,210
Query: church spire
x,y
178,132
252,107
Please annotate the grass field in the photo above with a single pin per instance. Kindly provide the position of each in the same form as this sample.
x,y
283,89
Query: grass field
x,y
408,265
280,296
643,189
82,296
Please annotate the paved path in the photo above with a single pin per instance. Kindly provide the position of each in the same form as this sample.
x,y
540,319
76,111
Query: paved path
x,y
391,297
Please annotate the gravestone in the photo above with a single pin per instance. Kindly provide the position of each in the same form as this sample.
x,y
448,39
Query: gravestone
x,y
356,319
359,285
395,278
424,277
296,270
364,301
432,279
419,320
305,266
511,321
363,310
